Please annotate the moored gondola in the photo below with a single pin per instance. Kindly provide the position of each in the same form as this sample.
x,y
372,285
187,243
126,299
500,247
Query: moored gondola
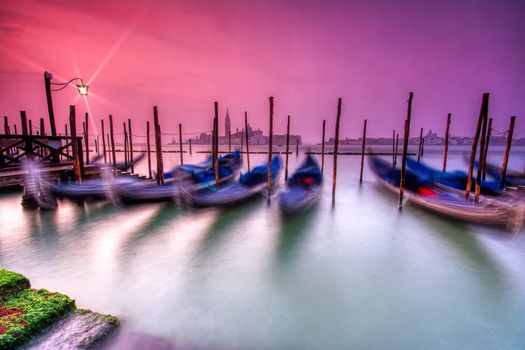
x,y
147,192
186,171
512,178
453,180
421,192
98,189
303,188
249,185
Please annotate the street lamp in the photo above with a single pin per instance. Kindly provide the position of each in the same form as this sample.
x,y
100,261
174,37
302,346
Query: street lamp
x,y
81,87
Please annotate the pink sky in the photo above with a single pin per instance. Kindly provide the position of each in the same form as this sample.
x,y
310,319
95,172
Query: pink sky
x,y
183,55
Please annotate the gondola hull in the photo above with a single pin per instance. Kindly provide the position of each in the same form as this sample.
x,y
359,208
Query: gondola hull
x,y
91,189
304,188
250,185
448,204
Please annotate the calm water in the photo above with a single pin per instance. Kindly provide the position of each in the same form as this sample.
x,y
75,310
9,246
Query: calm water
x,y
360,276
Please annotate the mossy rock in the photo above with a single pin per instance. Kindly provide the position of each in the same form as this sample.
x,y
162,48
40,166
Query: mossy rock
x,y
80,329
28,312
11,283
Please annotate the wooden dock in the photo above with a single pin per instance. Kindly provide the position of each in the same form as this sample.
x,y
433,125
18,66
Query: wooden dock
x,y
14,176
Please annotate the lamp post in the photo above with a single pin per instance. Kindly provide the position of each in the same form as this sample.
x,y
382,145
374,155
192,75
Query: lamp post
x,y
81,87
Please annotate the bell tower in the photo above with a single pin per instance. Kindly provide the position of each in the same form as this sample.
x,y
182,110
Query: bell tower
x,y
227,124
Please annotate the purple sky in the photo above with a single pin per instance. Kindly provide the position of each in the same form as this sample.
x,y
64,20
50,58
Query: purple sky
x,y
183,55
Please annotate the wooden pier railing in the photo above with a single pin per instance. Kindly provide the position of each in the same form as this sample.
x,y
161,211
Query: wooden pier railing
x,y
52,152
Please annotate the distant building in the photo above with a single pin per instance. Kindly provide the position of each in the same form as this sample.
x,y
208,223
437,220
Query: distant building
x,y
256,137
431,138
227,125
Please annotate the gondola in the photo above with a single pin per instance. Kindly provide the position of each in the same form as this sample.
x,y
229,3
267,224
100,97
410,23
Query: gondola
x,y
303,188
148,192
456,180
185,171
512,178
98,189
421,192
249,185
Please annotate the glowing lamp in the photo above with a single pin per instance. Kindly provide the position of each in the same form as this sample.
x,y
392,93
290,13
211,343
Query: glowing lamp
x,y
82,89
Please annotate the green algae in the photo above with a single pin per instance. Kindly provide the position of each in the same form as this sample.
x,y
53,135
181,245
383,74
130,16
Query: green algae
x,y
28,312
11,283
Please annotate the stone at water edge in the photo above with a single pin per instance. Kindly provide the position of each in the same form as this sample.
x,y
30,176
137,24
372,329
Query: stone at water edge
x,y
80,329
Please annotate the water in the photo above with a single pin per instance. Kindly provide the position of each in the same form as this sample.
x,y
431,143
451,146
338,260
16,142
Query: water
x,y
360,275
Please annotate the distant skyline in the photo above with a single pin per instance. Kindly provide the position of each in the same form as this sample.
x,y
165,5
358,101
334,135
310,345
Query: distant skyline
x,y
184,55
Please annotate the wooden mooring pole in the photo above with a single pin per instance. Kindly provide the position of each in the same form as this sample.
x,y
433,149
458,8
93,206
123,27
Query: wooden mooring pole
x,y
180,144
104,142
80,157
125,145
287,149
487,142
65,133
297,147
405,151
420,149
42,133
483,110
148,148
322,147
270,144
190,144
114,160
86,135
507,153
363,144
482,145
216,143
247,139
393,147
74,144
396,152
158,147
6,125
23,122
109,147
336,148
445,152
130,138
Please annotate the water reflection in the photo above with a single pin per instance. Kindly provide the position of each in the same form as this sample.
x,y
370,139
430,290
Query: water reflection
x,y
221,226
164,214
470,248
292,233
89,213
